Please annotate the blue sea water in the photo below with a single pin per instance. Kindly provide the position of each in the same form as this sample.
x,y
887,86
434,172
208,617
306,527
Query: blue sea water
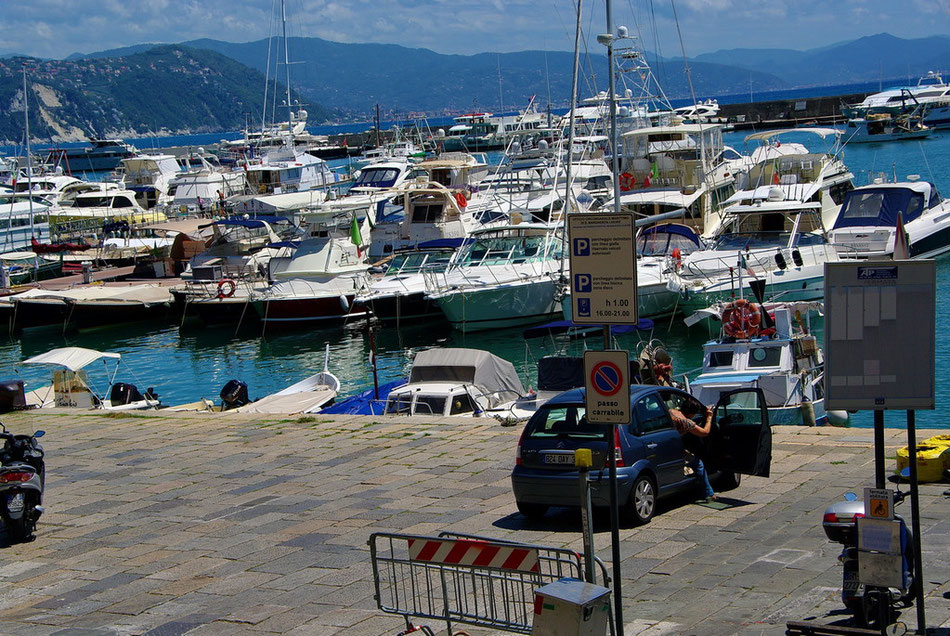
x,y
185,364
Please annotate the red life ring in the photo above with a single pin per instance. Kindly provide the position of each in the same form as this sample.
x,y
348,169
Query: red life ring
x,y
461,200
677,257
626,181
230,284
741,319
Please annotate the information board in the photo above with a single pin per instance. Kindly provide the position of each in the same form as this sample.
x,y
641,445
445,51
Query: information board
x,y
879,335
607,379
603,269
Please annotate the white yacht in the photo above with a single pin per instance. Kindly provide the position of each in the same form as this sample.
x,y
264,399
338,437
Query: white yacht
x,y
779,241
288,169
801,174
931,95
22,217
205,185
867,224
878,127
679,170
507,276
150,176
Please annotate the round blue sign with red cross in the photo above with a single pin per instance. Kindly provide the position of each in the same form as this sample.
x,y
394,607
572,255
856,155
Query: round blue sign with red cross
x,y
606,378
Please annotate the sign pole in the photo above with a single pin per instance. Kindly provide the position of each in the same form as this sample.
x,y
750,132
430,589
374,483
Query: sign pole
x,y
915,519
879,449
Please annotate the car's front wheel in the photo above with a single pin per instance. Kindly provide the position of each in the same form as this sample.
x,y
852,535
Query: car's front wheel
x,y
532,510
641,506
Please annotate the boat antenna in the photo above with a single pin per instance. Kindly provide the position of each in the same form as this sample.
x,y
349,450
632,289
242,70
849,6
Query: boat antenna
x,y
572,123
290,108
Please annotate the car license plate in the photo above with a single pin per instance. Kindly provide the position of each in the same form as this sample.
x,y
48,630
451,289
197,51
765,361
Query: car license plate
x,y
559,458
15,503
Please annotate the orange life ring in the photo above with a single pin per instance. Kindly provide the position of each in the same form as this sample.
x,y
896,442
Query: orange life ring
x,y
741,319
461,200
230,284
626,182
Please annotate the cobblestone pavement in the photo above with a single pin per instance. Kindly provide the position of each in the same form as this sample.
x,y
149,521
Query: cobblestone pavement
x,y
171,524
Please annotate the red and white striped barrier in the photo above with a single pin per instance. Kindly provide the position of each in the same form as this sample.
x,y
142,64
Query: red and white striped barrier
x,y
474,553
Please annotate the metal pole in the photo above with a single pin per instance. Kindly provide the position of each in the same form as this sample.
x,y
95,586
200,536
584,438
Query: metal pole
x,y
915,520
879,449
587,518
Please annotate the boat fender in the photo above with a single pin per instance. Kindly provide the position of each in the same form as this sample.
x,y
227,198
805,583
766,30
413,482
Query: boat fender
x,y
626,181
780,260
838,418
808,413
226,288
797,258
344,304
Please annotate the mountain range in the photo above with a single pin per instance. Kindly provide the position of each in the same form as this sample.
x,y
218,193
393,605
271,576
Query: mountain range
x,y
211,85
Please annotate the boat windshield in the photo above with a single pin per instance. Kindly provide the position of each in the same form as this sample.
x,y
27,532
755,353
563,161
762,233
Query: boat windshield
x,y
879,206
413,262
513,249
377,178
756,231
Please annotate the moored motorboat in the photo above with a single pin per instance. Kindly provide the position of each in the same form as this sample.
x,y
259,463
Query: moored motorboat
x,y
770,348
72,386
867,224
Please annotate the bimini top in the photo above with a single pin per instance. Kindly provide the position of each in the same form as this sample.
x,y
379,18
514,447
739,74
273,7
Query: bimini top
x,y
765,135
468,366
73,358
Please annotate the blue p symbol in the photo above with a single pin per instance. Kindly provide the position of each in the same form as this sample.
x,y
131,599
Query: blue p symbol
x,y
583,307
581,247
582,283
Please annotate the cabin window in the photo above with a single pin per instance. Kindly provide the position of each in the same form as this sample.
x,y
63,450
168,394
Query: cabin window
x,y
838,191
720,359
426,213
122,202
462,404
291,174
429,405
765,357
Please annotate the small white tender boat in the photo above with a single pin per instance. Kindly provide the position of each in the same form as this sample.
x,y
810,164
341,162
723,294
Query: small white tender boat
x,y
72,387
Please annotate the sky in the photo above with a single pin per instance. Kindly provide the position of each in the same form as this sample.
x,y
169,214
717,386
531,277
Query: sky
x,y
58,28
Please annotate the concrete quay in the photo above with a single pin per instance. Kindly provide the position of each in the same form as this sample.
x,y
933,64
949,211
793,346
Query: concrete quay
x,y
161,523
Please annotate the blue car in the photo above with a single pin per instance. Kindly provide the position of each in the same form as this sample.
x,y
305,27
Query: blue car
x,y
652,459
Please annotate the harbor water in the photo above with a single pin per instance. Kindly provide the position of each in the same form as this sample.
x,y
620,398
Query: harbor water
x,y
185,364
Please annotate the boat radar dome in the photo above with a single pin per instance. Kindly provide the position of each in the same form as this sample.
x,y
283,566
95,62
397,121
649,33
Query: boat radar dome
x,y
515,148
776,194
624,111
628,93
440,132
622,31
913,177
543,144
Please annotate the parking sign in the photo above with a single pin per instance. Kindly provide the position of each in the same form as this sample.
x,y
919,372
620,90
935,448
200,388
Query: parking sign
x,y
603,269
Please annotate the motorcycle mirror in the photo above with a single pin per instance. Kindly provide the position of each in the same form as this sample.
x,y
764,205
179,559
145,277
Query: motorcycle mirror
x,y
39,433
850,496
896,629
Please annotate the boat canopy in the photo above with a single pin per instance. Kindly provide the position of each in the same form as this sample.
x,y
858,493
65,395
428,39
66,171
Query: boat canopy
x,y
469,366
878,206
252,222
73,358
765,135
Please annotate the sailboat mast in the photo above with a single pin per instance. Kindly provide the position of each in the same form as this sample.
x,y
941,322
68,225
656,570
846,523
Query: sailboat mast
x,y
29,154
290,108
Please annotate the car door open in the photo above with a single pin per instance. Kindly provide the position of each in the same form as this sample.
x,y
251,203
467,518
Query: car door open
x,y
741,440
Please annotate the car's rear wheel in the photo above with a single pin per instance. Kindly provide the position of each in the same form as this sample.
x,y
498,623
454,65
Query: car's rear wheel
x,y
728,480
641,506
532,510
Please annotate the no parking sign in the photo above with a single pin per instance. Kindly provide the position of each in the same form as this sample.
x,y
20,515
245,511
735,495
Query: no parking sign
x,y
607,380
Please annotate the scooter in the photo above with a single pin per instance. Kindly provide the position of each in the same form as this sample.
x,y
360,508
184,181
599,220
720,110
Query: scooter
x,y
22,476
872,607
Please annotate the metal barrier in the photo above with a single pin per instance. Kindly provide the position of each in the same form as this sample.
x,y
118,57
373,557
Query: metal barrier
x,y
466,578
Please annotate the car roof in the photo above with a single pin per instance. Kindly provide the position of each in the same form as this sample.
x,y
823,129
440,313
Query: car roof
x,y
573,396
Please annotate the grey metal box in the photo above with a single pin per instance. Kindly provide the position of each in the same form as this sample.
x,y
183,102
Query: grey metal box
x,y
571,607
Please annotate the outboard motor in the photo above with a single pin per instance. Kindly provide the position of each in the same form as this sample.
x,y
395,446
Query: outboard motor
x,y
12,396
123,393
234,394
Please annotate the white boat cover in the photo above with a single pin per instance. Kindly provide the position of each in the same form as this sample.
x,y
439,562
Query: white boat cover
x,y
769,134
189,227
663,197
302,402
469,366
141,294
73,358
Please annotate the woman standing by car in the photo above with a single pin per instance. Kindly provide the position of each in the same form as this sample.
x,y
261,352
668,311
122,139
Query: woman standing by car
x,y
682,420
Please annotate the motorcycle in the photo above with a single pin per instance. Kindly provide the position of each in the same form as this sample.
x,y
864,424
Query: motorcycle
x,y
872,607
22,476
